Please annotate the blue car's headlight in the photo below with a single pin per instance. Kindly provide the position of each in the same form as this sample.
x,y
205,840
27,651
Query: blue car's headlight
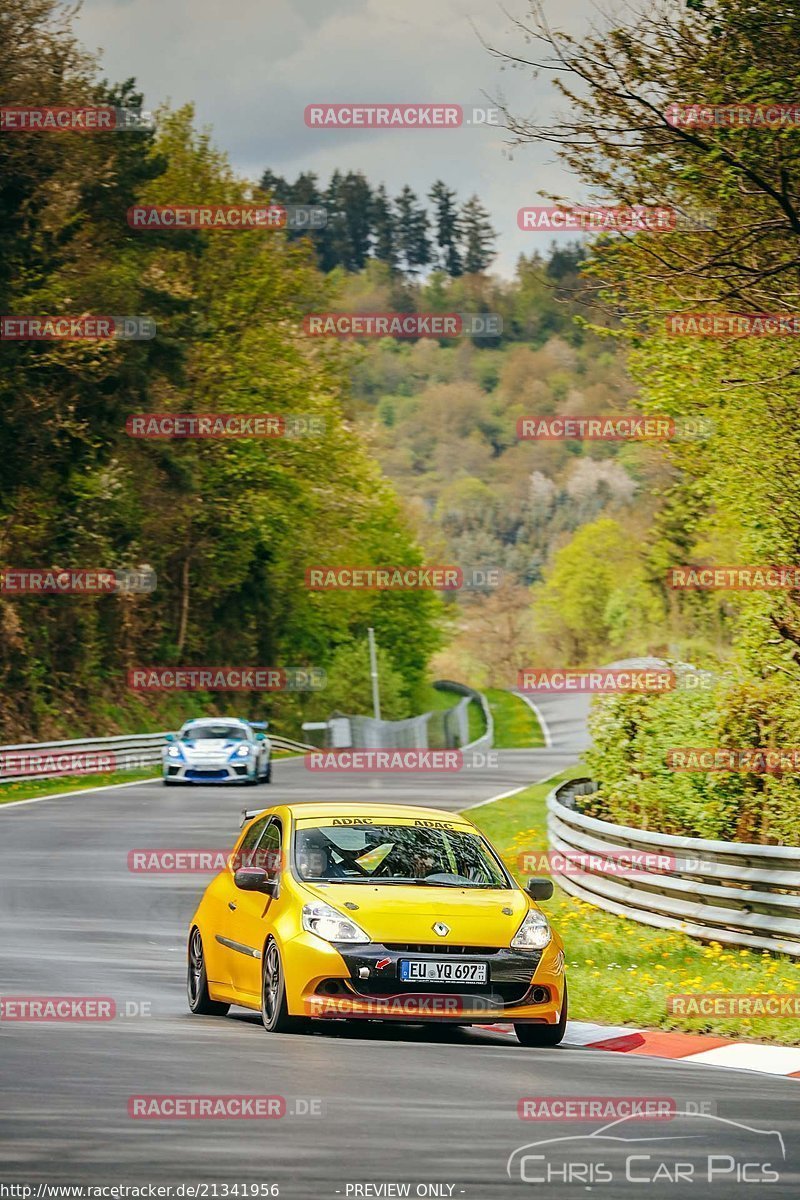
x,y
174,752
241,751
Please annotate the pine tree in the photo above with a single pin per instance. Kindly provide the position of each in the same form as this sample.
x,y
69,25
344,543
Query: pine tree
x,y
383,229
447,228
412,231
478,237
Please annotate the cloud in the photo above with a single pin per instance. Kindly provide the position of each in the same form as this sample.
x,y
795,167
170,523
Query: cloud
x,y
251,68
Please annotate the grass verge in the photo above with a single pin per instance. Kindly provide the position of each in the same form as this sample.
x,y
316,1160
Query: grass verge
x,y
516,726
621,972
30,789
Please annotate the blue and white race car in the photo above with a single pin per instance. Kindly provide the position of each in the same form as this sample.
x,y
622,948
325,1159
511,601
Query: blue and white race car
x,y
218,750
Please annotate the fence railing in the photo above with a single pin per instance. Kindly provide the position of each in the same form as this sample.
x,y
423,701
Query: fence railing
x,y
739,894
446,728
90,756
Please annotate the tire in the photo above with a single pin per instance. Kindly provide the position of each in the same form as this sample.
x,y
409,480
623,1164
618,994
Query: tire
x,y
545,1035
267,776
274,1011
200,1001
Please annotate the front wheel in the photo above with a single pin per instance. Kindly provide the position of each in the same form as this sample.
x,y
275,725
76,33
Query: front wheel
x,y
267,776
200,1001
545,1035
274,1009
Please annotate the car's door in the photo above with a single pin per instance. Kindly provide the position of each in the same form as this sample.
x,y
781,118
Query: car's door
x,y
253,914
228,896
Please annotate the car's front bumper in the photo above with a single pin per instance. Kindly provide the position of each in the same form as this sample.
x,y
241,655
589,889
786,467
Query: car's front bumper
x,y
209,771
364,982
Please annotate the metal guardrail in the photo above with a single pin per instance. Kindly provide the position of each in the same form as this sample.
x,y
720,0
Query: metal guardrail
x,y
91,756
438,729
740,894
486,741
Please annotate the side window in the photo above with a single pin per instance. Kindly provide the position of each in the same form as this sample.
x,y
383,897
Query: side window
x,y
268,854
249,843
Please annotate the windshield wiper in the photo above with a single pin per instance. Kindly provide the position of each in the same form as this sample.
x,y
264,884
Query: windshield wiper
x,y
419,882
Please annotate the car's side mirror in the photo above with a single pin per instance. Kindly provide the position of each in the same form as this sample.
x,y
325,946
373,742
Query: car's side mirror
x,y
260,737
171,737
256,879
539,889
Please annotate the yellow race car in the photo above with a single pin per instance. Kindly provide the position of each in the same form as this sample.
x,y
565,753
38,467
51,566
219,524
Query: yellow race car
x,y
380,912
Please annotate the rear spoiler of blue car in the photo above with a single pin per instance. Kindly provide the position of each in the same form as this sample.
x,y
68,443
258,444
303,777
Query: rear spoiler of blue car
x,y
258,724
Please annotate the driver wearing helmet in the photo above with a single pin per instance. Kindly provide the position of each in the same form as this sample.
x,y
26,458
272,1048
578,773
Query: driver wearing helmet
x,y
314,860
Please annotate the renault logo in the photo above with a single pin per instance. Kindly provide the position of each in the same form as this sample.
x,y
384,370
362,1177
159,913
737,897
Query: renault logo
x,y
441,929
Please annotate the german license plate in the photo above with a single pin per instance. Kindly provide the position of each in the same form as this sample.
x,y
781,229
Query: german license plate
x,y
437,971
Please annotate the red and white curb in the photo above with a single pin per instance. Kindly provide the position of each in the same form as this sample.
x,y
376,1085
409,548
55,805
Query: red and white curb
x,y
688,1047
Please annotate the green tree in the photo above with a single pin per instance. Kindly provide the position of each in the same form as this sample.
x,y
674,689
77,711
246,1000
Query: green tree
x,y
448,229
411,225
478,237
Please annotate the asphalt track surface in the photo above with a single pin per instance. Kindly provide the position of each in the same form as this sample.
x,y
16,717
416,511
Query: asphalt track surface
x,y
432,1108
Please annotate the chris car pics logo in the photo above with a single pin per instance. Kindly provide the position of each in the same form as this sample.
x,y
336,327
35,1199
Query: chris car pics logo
x,y
697,1149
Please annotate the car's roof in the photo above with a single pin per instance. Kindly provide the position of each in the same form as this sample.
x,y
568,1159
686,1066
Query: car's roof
x,y
369,808
217,721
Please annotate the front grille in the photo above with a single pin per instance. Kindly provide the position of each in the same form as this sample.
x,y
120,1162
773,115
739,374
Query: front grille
x,y
438,948
507,993
200,773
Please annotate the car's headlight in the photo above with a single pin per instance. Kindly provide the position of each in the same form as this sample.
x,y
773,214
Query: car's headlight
x,y
533,934
173,752
243,750
329,924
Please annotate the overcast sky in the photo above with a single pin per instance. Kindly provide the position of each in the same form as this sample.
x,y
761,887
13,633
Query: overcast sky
x,y
252,66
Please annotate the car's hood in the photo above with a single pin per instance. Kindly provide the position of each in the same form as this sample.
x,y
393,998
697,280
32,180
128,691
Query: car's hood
x,y
208,748
407,913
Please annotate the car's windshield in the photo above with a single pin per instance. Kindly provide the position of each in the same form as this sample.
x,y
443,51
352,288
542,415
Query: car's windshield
x,y
217,730
390,854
